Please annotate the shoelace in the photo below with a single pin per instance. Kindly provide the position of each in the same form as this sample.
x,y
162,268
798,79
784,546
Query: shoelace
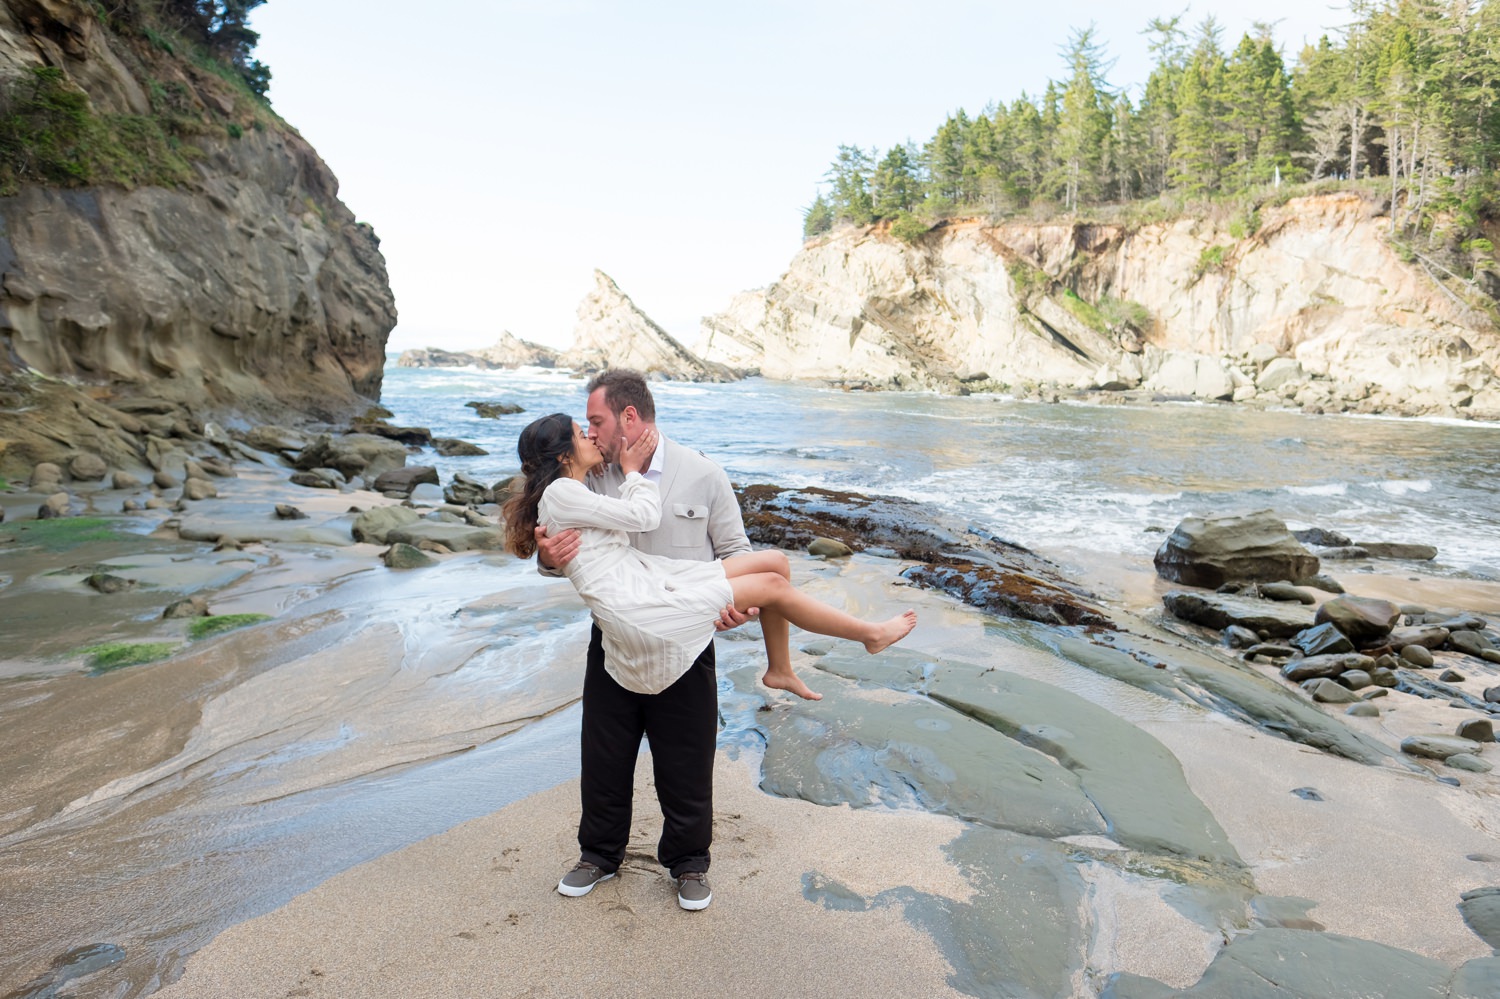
x,y
693,876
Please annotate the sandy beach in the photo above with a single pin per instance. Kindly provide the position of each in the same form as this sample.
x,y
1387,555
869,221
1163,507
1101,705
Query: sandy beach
x,y
903,851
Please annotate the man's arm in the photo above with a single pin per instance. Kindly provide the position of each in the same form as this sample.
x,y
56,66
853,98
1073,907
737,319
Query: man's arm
x,y
555,552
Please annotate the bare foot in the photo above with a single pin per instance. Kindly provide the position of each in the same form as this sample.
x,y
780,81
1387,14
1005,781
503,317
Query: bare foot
x,y
890,632
792,684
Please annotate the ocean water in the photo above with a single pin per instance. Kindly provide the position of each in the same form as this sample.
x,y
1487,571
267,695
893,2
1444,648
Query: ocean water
x,y
1075,476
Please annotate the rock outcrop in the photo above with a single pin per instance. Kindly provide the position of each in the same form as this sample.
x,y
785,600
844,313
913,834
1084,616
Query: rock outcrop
x,y
243,285
612,332
1314,309
509,351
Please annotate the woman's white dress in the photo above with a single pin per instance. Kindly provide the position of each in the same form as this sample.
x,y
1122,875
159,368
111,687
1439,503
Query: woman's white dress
x,y
657,614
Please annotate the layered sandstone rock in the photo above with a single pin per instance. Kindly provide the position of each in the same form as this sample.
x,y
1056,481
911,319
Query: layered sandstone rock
x,y
249,288
1317,302
509,351
612,332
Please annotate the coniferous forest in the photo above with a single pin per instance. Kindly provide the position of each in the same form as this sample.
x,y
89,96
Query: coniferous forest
x,y
1403,101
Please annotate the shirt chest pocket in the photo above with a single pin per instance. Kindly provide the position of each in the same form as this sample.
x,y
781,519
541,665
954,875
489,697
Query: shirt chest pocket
x,y
689,525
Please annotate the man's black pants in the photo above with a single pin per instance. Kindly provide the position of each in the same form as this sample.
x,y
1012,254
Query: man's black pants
x,y
682,725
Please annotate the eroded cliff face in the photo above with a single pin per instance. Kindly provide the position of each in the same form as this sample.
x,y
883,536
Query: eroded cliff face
x,y
613,332
248,288
1317,296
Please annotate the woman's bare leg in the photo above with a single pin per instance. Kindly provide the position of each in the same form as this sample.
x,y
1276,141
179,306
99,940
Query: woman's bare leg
x,y
774,629
774,592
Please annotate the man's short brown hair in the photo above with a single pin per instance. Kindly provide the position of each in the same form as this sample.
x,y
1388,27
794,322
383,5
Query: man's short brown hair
x,y
625,387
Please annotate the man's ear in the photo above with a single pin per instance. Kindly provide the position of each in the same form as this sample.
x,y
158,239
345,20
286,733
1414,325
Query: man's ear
x,y
628,416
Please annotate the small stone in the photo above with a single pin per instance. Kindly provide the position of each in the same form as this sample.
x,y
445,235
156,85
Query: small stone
x,y
1364,709
1326,691
165,480
1374,692
129,506
1492,695
1469,762
155,503
1468,642
829,548
1286,591
1477,729
1418,655
1356,679
1363,619
124,481
1490,655
1437,747
192,470
1270,650
54,506
1322,639
1320,582
285,511
227,544
1312,667
198,489
187,607
1451,676
404,556
1307,793
1239,637
107,583
46,477
317,478
88,468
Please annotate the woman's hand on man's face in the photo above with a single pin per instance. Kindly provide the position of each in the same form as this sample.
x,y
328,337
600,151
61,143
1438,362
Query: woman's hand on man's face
x,y
633,457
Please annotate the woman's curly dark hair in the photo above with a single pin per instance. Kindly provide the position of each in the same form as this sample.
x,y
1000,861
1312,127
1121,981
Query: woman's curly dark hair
x,y
541,444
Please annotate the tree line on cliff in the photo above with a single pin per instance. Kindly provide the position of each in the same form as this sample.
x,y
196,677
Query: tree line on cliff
x,y
180,51
1406,96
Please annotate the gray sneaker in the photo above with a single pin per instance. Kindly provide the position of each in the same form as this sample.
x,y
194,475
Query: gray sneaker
x,y
581,879
692,890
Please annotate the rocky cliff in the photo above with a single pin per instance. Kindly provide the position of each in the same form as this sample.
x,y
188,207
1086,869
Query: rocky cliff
x,y
1315,308
612,332
232,281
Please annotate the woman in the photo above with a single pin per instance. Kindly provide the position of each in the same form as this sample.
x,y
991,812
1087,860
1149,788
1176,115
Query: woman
x,y
656,613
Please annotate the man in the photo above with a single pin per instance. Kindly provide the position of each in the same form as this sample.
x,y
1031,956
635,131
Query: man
x,y
700,520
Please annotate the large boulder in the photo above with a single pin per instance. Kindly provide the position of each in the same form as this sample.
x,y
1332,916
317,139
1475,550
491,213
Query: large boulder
x,y
1210,551
353,454
1362,619
376,523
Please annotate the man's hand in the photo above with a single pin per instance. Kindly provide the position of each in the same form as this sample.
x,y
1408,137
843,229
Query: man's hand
x,y
555,553
729,617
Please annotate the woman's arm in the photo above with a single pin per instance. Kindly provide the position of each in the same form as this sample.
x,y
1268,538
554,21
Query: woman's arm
x,y
570,504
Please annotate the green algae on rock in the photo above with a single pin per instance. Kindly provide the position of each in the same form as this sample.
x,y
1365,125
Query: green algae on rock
x,y
216,624
118,655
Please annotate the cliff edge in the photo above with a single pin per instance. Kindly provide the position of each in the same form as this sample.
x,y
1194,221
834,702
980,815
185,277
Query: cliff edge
x,y
183,245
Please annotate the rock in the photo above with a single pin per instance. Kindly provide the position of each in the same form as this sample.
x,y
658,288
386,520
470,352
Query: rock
x,y
1218,611
87,468
187,607
155,503
1321,640
404,480
404,556
218,468
1325,691
192,470
124,481
1492,695
1346,554
270,437
1469,762
1418,655
1427,636
1455,622
1390,549
410,436
452,447
494,410
1468,642
285,511
227,544
46,477
1476,730
466,491
453,537
198,489
164,480
374,524
352,454
1364,709
1312,667
1322,538
1279,373
829,548
1387,661
1286,591
1490,655
317,478
1318,581
612,332
1380,676
106,583
1267,650
1238,637
1363,619
1207,551
1355,679
54,506
1437,747
1451,676
1374,692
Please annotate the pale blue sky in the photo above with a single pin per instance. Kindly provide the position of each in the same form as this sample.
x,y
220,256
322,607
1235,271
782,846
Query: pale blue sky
x,y
505,149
